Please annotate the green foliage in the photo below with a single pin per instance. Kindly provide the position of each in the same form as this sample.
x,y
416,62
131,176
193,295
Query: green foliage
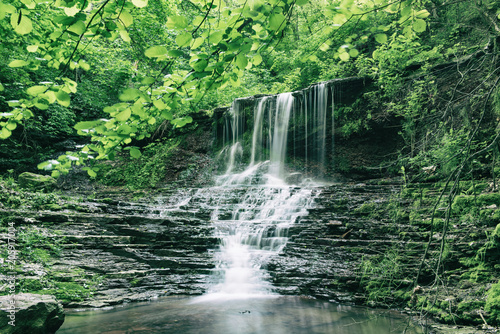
x,y
147,172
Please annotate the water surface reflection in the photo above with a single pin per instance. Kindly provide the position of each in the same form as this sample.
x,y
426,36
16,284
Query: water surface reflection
x,y
272,315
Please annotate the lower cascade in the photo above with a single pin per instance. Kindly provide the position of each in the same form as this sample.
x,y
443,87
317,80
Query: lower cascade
x,y
264,205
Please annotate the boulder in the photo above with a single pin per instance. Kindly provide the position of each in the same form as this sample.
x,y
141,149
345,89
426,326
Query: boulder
x,y
36,181
30,313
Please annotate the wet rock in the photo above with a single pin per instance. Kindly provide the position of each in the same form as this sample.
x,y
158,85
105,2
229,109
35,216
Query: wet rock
x,y
294,178
34,314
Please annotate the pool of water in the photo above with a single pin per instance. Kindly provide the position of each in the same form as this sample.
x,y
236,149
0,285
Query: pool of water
x,y
265,315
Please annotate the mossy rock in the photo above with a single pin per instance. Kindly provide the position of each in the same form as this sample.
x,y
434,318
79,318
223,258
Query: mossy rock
x,y
31,313
36,181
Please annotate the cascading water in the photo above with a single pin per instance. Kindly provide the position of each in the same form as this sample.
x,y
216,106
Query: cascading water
x,y
254,227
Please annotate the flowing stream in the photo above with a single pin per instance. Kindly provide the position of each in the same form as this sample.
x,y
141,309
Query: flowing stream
x,y
253,205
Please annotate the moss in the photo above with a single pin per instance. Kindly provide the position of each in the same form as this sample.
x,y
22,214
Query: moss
x,y
70,291
365,208
492,305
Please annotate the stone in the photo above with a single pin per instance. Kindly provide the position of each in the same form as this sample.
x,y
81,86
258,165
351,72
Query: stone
x,y
36,181
294,178
32,313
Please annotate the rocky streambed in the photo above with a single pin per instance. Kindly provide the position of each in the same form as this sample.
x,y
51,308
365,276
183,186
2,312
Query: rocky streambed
x,y
360,244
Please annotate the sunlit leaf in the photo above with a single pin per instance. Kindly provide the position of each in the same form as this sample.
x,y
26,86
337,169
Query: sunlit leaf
x,y
353,53
63,98
32,48
125,36
140,3
124,115
215,37
155,51
21,23
381,38
344,56
18,63
78,28
183,39
126,18
241,61
35,90
196,43
91,173
276,21
135,153
257,59
129,94
5,133
419,25
177,22
71,11
180,122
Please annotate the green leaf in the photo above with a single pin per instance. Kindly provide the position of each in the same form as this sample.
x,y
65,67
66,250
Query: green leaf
x,y
419,25
46,165
126,18
155,51
129,94
257,59
199,65
183,39
11,126
5,133
177,22
6,9
180,122
140,3
175,53
63,98
21,23
32,48
148,80
1,88
18,63
196,43
86,125
124,115
344,56
216,37
35,90
125,36
83,65
71,11
135,153
381,38
241,61
78,27
276,21
301,2
167,115
353,53
91,173
324,47
422,14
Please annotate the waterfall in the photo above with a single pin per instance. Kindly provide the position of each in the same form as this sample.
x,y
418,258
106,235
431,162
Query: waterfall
x,y
284,105
256,206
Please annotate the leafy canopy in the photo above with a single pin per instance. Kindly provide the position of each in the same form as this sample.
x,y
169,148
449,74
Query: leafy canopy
x,y
210,46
